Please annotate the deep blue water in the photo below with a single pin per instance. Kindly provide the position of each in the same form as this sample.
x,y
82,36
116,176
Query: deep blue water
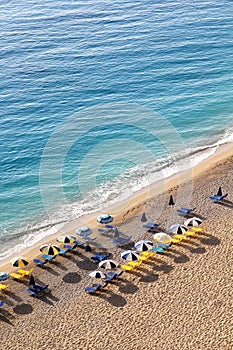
x,y
102,71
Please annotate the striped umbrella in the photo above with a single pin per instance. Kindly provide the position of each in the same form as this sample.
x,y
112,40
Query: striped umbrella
x,y
105,219
84,231
50,249
130,255
108,264
4,276
193,222
97,274
162,237
66,239
178,229
143,246
19,262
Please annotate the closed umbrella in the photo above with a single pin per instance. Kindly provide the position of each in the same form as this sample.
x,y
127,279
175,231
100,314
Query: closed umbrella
x,y
143,217
219,193
19,262
50,249
171,200
193,222
130,255
143,245
108,264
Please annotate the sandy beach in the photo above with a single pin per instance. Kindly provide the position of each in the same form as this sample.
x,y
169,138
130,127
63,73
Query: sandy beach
x,y
178,300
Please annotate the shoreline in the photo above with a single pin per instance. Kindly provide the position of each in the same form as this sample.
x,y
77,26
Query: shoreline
x,y
133,206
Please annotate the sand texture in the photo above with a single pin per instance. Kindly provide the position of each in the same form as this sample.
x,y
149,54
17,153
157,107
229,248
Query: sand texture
x,y
178,300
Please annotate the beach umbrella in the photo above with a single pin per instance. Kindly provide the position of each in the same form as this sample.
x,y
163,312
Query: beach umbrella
x,y
193,222
178,229
130,255
219,193
171,200
4,276
162,237
97,274
143,217
32,281
105,219
108,264
143,245
19,262
50,249
66,239
84,231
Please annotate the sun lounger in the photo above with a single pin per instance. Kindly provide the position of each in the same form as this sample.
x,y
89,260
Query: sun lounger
x,y
146,255
4,286
163,245
40,263
1,303
120,241
50,258
25,272
127,267
36,289
17,276
158,249
93,288
152,224
190,233
64,251
217,198
114,274
100,257
185,211
135,264
111,227
199,229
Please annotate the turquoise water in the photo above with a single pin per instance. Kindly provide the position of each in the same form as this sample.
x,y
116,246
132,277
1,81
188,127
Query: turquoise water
x,y
122,81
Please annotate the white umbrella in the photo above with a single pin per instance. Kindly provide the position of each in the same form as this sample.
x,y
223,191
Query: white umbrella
x,y
130,255
97,274
84,231
108,264
193,222
178,229
162,237
105,219
143,245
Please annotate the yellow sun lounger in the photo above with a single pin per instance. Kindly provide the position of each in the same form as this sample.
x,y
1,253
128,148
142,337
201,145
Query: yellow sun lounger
x,y
127,267
4,286
135,264
146,255
199,229
17,276
25,272
190,233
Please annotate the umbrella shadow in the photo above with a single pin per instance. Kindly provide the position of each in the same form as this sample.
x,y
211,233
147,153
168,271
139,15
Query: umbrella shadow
x,y
209,239
23,309
71,277
87,264
113,298
128,287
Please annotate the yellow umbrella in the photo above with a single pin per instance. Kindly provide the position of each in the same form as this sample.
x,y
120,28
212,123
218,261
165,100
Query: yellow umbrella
x,y
19,262
50,249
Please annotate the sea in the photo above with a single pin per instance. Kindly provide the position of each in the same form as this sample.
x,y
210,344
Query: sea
x,y
100,99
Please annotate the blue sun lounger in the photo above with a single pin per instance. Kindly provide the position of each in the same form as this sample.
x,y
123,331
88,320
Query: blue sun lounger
x,y
217,198
120,241
158,249
185,211
100,257
93,288
1,303
40,263
114,275
36,289
50,258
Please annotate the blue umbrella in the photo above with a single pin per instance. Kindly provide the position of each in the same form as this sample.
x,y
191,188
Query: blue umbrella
x,y
105,219
4,276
